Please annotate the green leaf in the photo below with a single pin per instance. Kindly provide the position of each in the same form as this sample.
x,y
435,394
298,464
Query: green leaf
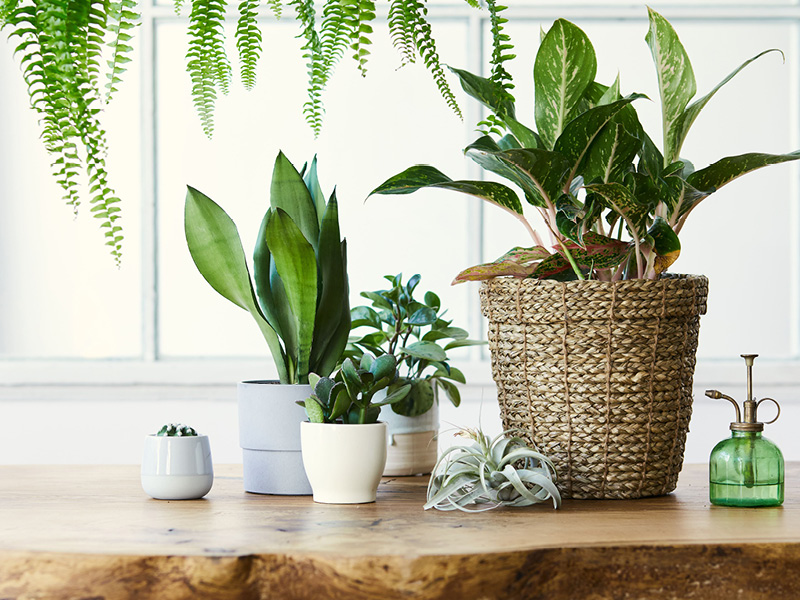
x,y
552,267
463,344
489,93
455,333
351,379
565,65
323,388
384,366
395,395
620,199
288,192
611,155
425,176
314,411
426,350
216,250
665,243
341,404
312,184
598,251
423,316
418,400
364,316
433,301
729,168
296,264
452,392
366,362
676,82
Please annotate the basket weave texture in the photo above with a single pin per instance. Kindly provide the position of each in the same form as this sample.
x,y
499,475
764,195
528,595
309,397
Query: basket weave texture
x,y
598,375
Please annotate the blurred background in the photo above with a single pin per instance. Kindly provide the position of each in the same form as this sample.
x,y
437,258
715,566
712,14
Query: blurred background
x,y
91,351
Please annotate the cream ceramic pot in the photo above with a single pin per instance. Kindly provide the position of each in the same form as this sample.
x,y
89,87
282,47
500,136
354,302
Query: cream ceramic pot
x,y
177,467
344,463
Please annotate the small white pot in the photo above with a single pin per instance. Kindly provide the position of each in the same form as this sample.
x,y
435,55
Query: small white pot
x,y
412,447
177,468
343,462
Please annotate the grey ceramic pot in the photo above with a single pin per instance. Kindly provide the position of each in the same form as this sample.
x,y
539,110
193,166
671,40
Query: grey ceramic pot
x,y
269,435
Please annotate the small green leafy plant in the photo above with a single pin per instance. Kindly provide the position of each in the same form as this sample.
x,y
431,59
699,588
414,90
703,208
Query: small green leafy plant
x,y
176,430
612,202
417,335
486,475
348,396
299,292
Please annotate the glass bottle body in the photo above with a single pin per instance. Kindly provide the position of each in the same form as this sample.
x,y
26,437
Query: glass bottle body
x,y
746,470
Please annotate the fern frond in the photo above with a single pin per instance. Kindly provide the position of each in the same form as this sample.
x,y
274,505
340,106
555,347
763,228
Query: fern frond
x,y
402,32
276,7
501,47
207,62
123,18
359,15
312,52
248,41
416,16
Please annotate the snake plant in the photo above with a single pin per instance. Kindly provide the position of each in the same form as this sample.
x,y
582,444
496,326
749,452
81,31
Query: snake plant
x,y
612,202
349,396
491,473
299,292
418,335
60,49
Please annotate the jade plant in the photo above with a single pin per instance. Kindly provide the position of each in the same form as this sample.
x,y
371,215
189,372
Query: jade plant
x,y
176,430
490,473
348,396
612,202
298,295
417,335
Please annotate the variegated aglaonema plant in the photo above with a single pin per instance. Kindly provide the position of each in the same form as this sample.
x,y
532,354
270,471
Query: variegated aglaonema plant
x,y
300,298
613,203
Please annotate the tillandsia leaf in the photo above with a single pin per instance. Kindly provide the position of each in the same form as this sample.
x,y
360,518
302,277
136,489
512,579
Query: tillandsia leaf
x,y
425,176
296,264
288,192
687,118
216,249
676,82
665,243
332,324
599,251
577,137
565,65
729,168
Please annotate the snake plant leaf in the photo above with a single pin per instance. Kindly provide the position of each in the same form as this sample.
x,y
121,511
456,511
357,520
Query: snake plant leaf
x,y
296,263
285,323
578,135
676,82
599,251
216,250
272,303
332,324
288,192
311,180
729,168
426,350
565,65
687,118
622,201
665,243
424,176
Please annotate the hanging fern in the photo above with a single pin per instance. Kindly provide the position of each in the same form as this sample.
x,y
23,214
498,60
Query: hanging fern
x,y
248,41
501,48
402,32
208,64
360,14
123,19
60,43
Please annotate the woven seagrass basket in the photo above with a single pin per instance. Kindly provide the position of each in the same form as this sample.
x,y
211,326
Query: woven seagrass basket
x,y
598,375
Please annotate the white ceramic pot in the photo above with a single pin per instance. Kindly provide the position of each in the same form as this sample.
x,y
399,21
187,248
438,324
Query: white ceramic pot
x,y
269,435
412,448
344,462
177,468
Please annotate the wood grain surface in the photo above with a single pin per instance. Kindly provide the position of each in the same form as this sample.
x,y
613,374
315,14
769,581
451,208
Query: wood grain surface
x,y
90,533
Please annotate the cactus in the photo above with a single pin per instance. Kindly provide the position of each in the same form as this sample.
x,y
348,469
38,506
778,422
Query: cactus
x,y
176,430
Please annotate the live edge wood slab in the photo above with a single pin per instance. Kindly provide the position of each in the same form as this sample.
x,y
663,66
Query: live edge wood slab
x,y
90,533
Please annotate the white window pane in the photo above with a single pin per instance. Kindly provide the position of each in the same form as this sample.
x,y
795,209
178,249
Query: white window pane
x,y
742,233
375,127
61,295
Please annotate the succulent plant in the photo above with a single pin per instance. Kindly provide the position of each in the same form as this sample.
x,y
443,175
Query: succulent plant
x,y
176,430
348,396
300,298
487,474
613,203
417,335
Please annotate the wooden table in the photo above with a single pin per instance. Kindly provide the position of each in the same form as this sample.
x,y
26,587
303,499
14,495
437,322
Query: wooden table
x,y
90,533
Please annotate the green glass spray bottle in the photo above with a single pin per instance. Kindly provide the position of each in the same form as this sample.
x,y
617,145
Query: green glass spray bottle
x,y
747,468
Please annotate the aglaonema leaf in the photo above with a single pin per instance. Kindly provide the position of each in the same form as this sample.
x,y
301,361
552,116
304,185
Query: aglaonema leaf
x,y
296,264
425,176
565,65
489,93
598,251
729,168
552,267
687,118
620,199
665,243
216,250
676,82
517,262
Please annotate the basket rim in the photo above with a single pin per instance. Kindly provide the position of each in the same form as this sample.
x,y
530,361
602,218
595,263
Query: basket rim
x,y
675,278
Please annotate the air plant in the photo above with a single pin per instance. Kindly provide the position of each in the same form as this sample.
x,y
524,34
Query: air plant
x,y
503,471
176,430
